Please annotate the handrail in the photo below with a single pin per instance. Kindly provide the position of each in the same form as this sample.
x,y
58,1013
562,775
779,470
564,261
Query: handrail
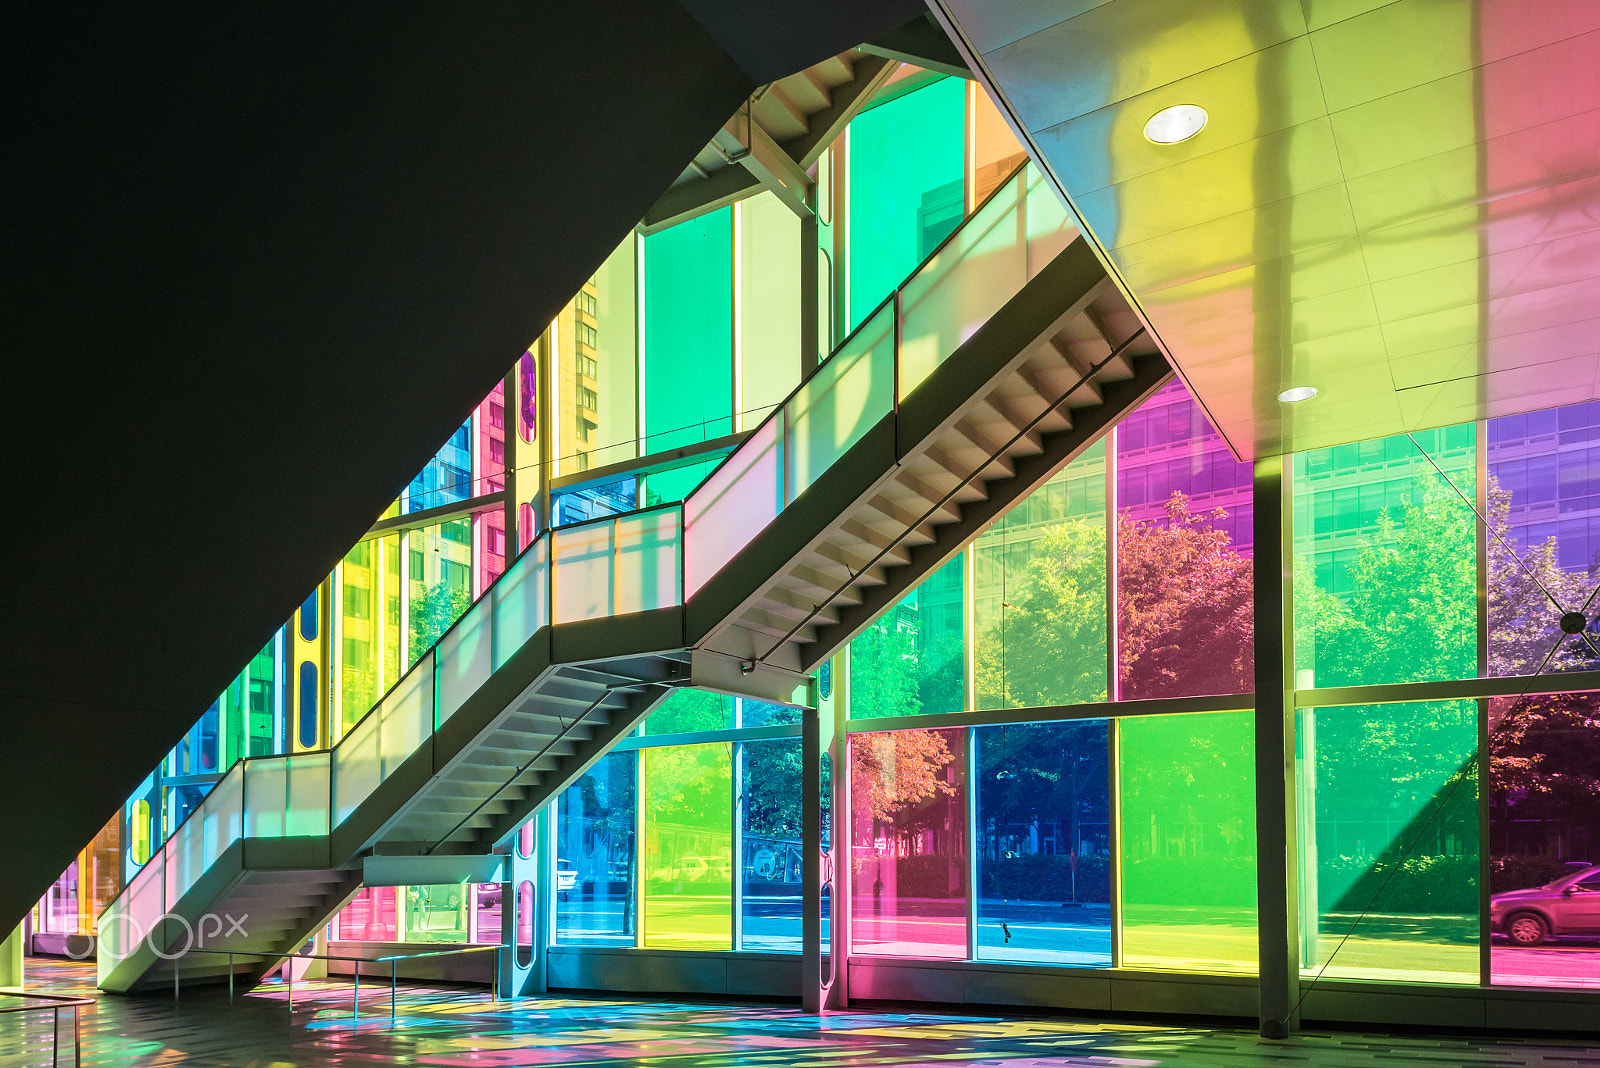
x,y
547,536
844,342
932,313
55,1003
355,1000
776,411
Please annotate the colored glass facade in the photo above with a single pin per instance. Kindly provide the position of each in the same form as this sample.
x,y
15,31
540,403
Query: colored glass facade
x,y
1048,749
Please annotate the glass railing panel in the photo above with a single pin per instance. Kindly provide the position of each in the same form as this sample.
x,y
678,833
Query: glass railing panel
x,y
266,789
308,794
405,719
981,266
521,601
647,561
735,504
464,657
224,814
1050,227
837,406
184,852
118,935
357,767
582,572
146,899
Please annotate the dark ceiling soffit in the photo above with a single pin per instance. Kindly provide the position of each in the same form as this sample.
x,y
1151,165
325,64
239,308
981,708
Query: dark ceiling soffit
x,y
923,43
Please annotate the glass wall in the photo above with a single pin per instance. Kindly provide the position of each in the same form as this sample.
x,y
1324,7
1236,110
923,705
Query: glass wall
x,y
907,162
1543,786
1044,843
687,863
1390,870
688,332
1187,848
596,885
908,843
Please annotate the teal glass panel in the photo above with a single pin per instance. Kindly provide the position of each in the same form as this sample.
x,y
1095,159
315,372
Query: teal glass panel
x,y
910,661
1389,849
906,193
1040,598
687,373
676,483
688,846
1187,841
1385,560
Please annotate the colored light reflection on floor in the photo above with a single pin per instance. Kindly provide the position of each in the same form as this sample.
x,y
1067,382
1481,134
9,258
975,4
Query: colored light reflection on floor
x,y
462,1027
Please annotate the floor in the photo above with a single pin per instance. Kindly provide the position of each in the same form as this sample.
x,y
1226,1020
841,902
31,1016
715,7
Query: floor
x,y
461,1027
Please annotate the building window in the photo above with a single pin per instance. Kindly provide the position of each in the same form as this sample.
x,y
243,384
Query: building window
x,y
588,398
417,573
588,367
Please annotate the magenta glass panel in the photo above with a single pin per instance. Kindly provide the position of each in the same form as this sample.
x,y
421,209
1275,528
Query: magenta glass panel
x,y
369,917
489,443
1543,786
1184,588
908,847
488,549
1544,537
528,413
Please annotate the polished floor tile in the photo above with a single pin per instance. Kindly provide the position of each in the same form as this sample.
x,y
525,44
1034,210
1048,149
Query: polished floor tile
x,y
462,1027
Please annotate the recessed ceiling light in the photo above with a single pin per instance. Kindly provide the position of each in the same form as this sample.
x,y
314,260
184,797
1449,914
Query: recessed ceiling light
x,y
1297,393
1177,123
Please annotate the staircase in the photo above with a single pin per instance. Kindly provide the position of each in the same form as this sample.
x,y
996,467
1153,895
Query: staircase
x,y
1004,355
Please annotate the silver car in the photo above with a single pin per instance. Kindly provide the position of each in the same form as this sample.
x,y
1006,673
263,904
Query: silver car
x,y
1568,906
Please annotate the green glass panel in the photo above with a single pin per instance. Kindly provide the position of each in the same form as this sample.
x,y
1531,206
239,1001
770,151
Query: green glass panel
x,y
670,486
688,846
1385,560
1389,848
906,162
910,661
686,711
1040,597
1187,841
437,913
687,376
439,583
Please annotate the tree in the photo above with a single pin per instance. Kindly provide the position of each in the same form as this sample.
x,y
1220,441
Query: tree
x,y
1048,646
897,776
435,612
1185,610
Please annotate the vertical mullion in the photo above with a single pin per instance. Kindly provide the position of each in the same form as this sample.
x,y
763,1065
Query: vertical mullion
x,y
971,817
1113,683
639,783
1114,836
1481,545
1277,873
736,928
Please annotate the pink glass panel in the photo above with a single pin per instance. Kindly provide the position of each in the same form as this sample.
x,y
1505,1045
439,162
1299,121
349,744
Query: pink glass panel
x,y
908,845
1184,587
369,917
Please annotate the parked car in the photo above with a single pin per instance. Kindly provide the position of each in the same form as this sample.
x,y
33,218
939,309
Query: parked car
x,y
1569,905
566,878
489,895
